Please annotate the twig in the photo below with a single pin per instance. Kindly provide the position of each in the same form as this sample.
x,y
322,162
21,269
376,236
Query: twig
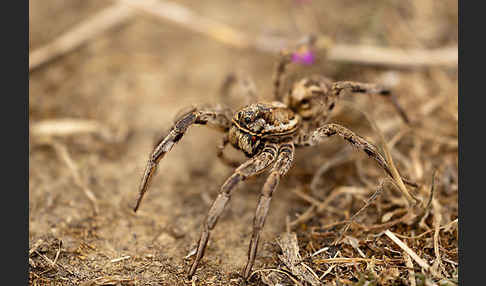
x,y
292,259
120,259
306,197
322,206
428,231
327,271
426,210
404,218
46,258
31,262
381,56
411,272
330,268
67,126
279,271
409,251
190,20
346,260
63,153
58,252
368,202
432,135
107,280
79,35
437,265
35,246
121,12
394,172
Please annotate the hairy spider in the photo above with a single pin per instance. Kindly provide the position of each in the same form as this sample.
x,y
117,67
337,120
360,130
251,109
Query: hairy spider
x,y
268,134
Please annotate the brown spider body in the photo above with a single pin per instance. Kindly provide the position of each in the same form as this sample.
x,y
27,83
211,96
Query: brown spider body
x,y
268,134
311,98
260,122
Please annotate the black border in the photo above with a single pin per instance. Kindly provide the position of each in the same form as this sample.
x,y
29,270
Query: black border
x,y
461,186
15,140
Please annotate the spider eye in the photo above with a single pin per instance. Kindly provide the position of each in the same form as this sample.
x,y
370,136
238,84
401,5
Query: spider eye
x,y
247,120
305,103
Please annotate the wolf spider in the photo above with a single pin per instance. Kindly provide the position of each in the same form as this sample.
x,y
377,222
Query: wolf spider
x,y
268,134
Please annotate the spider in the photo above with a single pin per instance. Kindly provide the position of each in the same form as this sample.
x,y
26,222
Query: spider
x,y
268,134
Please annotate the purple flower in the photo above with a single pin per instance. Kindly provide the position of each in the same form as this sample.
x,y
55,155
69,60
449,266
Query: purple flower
x,y
306,57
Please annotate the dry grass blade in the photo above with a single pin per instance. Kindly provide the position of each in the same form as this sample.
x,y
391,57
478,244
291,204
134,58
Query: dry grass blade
x,y
437,265
107,280
424,214
190,20
35,246
352,219
63,154
79,35
409,251
346,260
46,258
434,136
292,259
396,176
322,206
58,252
120,259
373,55
428,231
274,277
411,272
66,127
73,167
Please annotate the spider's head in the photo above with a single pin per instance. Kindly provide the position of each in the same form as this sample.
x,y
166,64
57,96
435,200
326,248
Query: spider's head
x,y
246,131
255,123
310,98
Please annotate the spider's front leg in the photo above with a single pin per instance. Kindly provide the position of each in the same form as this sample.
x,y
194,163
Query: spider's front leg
x,y
250,168
355,140
218,117
280,168
340,87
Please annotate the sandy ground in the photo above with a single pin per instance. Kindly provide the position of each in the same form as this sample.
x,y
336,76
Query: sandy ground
x,y
134,79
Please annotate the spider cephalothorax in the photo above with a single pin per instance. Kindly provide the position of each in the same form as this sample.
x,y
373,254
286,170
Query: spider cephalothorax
x,y
268,134
260,122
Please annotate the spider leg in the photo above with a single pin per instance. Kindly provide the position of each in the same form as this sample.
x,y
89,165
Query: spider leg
x,y
217,117
341,87
250,168
280,168
355,140
247,88
283,61
220,153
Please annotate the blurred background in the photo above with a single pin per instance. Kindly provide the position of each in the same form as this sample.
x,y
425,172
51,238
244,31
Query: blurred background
x,y
107,78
